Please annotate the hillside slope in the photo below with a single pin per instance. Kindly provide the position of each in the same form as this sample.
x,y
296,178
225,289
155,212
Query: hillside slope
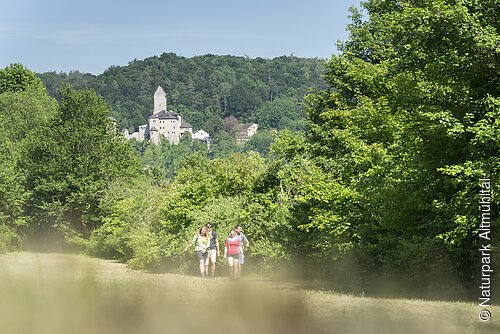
x,y
205,89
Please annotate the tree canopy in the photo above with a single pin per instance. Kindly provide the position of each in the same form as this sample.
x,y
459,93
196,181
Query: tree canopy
x,y
201,88
407,128
17,78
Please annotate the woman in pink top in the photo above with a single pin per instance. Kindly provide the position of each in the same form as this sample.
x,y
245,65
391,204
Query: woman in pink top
x,y
232,248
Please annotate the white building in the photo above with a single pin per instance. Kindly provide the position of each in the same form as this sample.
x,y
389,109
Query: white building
x,y
128,135
245,132
201,135
142,131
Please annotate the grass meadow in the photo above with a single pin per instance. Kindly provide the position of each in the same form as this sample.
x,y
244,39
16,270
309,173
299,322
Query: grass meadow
x,y
63,293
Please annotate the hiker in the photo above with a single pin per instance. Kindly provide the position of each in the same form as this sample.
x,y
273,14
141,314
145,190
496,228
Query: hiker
x,y
201,242
244,242
232,249
213,251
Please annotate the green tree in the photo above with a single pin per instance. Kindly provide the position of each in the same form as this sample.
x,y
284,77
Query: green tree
x,y
12,195
223,145
25,112
72,168
213,125
281,113
132,223
409,124
17,78
260,142
24,119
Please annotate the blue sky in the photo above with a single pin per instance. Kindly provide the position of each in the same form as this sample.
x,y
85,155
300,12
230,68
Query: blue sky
x,y
91,35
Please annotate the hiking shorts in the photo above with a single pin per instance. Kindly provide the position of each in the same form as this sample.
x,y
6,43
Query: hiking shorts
x,y
201,256
212,255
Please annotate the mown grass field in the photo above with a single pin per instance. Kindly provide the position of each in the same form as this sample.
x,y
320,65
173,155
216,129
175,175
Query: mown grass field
x,y
61,293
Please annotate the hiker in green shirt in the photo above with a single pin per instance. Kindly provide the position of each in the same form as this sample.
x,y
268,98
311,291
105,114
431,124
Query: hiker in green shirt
x,y
201,242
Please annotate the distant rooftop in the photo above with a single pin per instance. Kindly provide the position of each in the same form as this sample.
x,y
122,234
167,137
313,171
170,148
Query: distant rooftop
x,y
246,126
164,114
160,91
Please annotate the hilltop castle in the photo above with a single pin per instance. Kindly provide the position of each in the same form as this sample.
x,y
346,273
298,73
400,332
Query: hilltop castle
x,y
169,125
162,123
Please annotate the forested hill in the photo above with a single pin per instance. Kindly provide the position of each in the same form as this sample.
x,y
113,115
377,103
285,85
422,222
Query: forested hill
x,y
205,89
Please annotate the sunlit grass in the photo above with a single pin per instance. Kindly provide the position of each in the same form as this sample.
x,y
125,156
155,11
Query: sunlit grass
x,y
58,293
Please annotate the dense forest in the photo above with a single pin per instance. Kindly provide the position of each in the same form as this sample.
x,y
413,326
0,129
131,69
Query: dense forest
x,y
204,89
378,193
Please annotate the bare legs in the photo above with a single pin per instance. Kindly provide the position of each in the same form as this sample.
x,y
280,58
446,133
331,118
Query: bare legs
x,y
238,265
233,263
212,270
202,268
237,271
212,258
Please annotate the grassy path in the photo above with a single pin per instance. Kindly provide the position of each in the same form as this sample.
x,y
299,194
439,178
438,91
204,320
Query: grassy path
x,y
61,293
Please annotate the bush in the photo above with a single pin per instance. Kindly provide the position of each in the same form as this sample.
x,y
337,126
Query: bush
x,y
9,239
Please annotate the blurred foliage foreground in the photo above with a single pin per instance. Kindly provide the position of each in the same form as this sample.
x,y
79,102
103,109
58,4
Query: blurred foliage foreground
x,y
56,294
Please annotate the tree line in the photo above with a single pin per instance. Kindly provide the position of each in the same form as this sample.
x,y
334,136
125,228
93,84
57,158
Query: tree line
x,y
204,89
378,194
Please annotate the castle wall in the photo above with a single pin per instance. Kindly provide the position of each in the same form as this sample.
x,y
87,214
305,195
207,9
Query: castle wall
x,y
170,128
154,137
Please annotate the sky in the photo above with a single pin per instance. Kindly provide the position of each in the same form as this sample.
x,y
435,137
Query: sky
x,y
92,35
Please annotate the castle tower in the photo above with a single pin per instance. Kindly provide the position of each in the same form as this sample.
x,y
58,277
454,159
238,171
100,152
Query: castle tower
x,y
160,100
154,135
